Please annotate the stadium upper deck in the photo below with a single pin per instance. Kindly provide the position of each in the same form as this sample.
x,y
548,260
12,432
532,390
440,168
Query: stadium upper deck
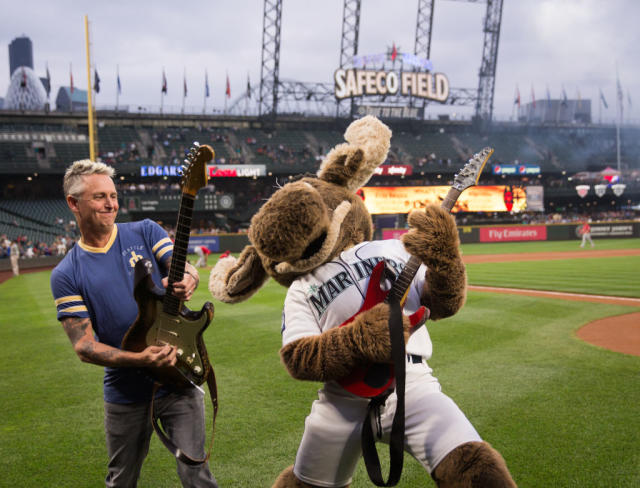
x,y
46,143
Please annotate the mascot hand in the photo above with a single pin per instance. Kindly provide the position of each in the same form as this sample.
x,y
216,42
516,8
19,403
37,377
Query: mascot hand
x,y
234,279
433,238
336,352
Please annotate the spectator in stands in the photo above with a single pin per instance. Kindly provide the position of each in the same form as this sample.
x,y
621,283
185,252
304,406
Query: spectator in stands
x,y
93,291
14,255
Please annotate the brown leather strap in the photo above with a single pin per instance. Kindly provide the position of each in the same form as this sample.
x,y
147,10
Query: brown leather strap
x,y
169,444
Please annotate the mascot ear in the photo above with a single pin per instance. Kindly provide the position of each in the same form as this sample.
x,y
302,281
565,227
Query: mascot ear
x,y
234,280
352,164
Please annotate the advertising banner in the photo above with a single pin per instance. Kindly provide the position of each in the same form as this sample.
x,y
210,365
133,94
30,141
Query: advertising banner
x,y
212,242
511,234
401,200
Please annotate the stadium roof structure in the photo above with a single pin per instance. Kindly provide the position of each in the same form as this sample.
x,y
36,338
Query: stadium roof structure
x,y
26,91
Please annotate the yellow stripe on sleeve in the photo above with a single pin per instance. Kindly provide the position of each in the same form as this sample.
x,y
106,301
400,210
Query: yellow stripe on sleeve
x,y
161,243
79,308
70,298
164,251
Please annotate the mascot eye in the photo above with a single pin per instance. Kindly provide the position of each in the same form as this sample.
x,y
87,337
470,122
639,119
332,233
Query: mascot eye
x,y
314,246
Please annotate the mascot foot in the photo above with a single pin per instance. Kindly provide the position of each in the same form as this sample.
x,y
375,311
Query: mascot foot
x,y
288,480
474,464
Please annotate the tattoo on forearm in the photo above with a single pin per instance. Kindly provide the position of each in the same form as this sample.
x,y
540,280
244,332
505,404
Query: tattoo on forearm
x,y
75,328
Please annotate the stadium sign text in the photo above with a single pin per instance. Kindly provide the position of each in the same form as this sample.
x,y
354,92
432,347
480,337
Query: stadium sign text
x,y
357,82
513,169
160,170
237,171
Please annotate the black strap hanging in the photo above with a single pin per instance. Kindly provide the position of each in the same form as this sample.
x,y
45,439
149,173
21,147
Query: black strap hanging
x,y
396,440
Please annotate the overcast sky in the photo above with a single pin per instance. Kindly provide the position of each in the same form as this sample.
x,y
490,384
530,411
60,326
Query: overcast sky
x,y
544,45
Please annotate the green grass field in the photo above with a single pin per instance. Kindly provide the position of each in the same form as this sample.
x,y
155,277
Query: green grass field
x,y
562,412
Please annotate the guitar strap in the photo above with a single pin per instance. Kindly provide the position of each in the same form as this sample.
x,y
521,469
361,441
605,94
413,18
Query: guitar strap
x,y
396,440
169,444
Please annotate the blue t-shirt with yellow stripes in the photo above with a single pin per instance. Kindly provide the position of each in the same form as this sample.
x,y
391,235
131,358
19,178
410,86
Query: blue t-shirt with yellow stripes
x,y
97,283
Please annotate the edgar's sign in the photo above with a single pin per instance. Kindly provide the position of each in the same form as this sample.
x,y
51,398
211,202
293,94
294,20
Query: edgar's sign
x,y
353,82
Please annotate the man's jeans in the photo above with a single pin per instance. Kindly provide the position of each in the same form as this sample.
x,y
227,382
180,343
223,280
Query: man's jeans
x,y
128,432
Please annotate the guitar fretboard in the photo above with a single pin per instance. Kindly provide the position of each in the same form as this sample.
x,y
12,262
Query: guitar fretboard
x,y
171,303
403,282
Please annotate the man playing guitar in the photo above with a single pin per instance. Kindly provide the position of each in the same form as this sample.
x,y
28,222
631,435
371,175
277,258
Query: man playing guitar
x,y
93,291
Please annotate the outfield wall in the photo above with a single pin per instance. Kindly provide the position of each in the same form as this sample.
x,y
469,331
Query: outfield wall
x,y
544,232
469,234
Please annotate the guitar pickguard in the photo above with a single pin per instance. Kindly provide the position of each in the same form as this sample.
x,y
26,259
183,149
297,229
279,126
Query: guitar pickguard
x,y
184,335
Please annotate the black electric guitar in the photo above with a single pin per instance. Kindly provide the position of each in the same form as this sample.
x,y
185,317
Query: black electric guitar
x,y
377,378
162,317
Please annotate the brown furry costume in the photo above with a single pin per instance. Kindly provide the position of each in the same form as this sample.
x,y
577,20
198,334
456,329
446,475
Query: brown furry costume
x,y
309,222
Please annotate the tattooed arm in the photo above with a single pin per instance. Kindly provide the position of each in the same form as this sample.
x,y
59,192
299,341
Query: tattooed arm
x,y
89,350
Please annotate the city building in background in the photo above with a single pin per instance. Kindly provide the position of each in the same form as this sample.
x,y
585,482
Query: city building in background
x,y
20,53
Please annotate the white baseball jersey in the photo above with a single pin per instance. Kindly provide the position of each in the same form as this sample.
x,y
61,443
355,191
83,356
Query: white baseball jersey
x,y
334,292
330,447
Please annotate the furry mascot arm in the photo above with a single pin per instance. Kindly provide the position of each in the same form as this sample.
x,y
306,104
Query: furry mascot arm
x,y
433,238
336,352
233,280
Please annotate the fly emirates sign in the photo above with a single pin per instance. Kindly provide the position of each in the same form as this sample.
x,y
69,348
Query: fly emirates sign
x,y
353,82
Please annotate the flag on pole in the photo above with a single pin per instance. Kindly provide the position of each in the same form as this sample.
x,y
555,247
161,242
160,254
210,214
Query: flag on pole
x,y
118,82
602,99
184,79
394,52
164,82
206,84
48,87
96,81
619,87
548,94
533,97
565,101
629,98
228,89
579,97
248,87
23,81
71,79
517,97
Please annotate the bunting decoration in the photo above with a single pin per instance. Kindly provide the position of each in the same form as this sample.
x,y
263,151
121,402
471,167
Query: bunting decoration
x,y
582,190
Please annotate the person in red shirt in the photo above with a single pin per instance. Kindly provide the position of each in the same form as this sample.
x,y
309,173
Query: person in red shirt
x,y
585,231
203,253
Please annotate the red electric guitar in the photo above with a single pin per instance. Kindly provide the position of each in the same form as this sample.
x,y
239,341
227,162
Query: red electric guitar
x,y
377,378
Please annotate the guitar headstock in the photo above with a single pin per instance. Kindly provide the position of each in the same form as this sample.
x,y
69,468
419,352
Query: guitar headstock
x,y
470,174
194,170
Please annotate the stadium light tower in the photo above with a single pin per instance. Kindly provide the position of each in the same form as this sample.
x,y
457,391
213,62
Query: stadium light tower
x,y
270,65
487,75
349,39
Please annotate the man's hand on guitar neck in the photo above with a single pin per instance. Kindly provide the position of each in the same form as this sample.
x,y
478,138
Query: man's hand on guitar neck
x,y
185,288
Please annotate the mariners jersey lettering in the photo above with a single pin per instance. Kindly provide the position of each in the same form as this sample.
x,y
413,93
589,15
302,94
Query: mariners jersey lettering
x,y
322,296
334,292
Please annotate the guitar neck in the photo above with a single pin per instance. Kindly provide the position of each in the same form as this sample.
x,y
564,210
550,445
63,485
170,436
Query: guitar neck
x,y
171,303
403,282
